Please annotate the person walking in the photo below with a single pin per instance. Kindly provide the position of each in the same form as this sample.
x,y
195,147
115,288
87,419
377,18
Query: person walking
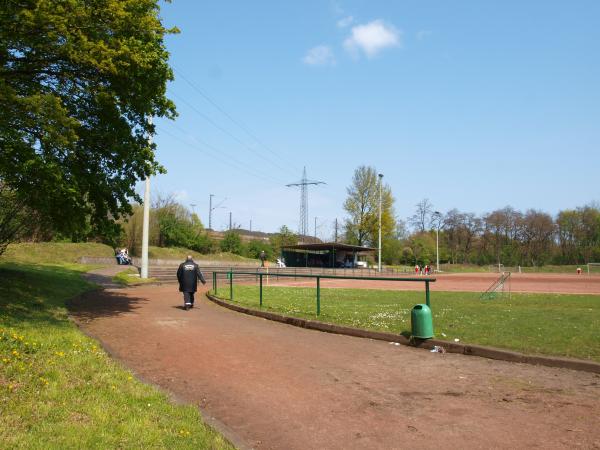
x,y
263,258
188,275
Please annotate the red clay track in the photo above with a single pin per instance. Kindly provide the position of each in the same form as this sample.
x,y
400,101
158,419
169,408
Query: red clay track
x,y
548,283
282,387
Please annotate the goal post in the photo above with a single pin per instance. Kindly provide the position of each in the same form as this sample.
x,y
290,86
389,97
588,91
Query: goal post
x,y
593,268
497,268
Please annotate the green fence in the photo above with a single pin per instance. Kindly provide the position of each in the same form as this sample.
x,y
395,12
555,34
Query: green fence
x,y
230,275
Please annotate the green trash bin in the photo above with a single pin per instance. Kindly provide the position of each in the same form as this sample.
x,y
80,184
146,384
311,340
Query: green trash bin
x,y
422,324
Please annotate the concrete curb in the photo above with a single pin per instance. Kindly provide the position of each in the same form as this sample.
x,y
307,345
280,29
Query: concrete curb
x,y
450,347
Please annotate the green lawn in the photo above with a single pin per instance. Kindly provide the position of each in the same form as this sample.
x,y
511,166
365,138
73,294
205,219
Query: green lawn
x,y
562,325
180,253
59,390
130,277
54,252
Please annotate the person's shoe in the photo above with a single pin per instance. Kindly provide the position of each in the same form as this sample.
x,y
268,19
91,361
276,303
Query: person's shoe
x,y
187,307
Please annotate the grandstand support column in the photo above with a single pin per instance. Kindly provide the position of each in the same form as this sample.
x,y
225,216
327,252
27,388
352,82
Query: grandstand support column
x,y
146,222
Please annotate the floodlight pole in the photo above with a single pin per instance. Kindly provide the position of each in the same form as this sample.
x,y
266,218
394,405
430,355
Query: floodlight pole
x,y
437,214
146,222
379,248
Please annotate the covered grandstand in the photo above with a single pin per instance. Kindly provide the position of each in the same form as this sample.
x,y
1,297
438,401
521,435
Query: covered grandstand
x,y
325,254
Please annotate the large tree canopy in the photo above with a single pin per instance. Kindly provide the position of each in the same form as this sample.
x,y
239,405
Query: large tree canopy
x,y
79,80
362,206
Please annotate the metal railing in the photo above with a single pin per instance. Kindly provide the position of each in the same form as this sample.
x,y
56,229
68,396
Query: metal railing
x,y
260,275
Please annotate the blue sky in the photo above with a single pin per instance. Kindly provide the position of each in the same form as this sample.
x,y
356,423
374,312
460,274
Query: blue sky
x,y
473,104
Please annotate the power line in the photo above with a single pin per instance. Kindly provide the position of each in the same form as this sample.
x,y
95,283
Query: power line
x,y
228,133
226,162
230,157
226,114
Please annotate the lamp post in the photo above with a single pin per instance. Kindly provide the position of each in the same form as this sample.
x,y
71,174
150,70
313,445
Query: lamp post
x,y
146,219
437,215
379,247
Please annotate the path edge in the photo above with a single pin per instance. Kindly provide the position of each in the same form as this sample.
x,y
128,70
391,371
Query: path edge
x,y
429,344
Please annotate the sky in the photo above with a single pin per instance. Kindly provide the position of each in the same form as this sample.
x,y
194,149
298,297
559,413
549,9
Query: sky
x,y
474,105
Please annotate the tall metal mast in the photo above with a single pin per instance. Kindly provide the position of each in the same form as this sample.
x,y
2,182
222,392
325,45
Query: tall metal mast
x,y
303,184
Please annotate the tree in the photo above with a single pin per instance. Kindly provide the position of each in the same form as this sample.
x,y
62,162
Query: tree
x,y
232,242
255,247
362,206
423,215
13,217
79,81
283,238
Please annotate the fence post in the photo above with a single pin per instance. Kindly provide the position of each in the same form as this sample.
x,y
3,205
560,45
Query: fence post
x,y
261,290
230,285
214,283
318,295
427,292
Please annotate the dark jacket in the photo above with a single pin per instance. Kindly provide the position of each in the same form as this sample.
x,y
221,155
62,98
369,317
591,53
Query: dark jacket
x,y
188,275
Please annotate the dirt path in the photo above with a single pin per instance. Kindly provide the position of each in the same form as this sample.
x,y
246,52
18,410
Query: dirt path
x,y
282,387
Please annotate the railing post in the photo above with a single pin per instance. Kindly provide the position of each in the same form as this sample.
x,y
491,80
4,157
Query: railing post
x,y
216,280
427,292
318,295
214,283
230,285
261,290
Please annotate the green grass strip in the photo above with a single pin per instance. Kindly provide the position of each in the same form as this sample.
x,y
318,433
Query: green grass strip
x,y
544,324
59,389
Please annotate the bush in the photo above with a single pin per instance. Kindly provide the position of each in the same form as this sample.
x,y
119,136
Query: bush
x,y
254,248
232,242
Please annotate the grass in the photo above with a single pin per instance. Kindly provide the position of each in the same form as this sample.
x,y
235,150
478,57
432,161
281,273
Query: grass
x,y
179,253
54,252
547,324
130,277
58,389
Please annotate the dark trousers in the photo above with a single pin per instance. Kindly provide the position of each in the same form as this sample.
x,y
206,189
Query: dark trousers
x,y
188,298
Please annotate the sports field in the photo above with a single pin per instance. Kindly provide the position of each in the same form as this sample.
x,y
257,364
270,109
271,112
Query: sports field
x,y
470,282
545,314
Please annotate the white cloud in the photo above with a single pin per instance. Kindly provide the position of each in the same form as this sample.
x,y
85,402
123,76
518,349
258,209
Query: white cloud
x,y
345,21
321,55
422,34
372,38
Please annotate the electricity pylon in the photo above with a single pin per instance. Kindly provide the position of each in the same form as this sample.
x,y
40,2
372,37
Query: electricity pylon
x,y
303,184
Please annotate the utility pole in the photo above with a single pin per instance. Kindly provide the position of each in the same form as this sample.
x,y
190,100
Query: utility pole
x,y
380,190
229,220
315,228
438,216
210,210
303,185
250,226
336,230
146,222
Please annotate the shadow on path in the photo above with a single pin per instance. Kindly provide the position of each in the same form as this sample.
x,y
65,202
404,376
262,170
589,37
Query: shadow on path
x,y
108,303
